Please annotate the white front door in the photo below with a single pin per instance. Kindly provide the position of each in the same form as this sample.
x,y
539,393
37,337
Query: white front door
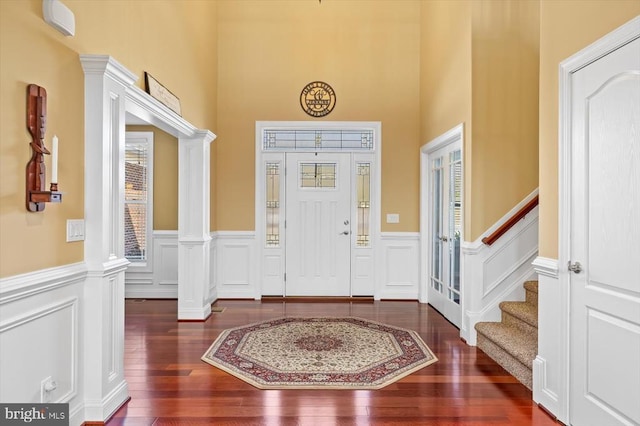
x,y
445,227
318,229
604,240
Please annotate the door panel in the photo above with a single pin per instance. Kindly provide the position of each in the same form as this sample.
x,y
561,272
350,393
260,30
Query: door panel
x,y
604,240
445,204
318,229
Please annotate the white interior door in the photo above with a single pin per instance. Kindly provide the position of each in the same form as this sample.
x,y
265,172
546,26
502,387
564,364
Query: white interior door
x,y
605,241
318,228
445,228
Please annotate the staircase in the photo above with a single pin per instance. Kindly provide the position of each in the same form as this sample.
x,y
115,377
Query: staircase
x,y
513,342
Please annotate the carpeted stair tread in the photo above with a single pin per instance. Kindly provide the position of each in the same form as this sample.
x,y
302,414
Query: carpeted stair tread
x,y
531,286
517,369
521,345
523,311
531,292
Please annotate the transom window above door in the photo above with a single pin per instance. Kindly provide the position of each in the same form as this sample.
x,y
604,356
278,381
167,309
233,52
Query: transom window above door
x,y
317,139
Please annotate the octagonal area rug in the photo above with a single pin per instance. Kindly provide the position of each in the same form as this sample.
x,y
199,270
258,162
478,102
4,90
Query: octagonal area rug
x,y
319,353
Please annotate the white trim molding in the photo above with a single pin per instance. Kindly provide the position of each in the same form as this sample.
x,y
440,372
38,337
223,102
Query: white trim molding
x,y
269,262
546,386
454,138
497,272
111,101
559,308
25,285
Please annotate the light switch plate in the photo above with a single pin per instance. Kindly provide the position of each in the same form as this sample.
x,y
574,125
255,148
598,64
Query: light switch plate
x,y
393,218
75,230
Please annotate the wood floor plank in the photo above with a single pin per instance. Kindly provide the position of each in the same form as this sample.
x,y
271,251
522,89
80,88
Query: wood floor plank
x,y
170,385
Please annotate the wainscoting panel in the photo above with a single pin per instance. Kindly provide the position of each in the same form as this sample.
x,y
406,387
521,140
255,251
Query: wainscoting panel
x,y
213,273
40,336
550,387
235,274
362,275
160,281
399,266
273,272
492,274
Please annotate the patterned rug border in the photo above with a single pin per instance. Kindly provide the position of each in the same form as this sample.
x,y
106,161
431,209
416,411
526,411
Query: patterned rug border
x,y
399,374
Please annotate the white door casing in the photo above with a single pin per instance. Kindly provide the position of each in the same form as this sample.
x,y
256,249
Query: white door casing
x,y
318,224
440,242
360,143
600,236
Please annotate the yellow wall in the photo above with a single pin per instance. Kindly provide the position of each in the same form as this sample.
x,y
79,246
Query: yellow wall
x,y
176,44
566,27
504,137
368,51
479,67
445,75
419,67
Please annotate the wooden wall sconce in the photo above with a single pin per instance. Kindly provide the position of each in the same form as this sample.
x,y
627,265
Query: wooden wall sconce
x,y
37,195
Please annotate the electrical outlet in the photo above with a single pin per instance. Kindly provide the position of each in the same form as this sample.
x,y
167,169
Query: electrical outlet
x,y
45,395
393,218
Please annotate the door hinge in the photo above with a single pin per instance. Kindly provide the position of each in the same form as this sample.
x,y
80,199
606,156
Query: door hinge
x,y
285,277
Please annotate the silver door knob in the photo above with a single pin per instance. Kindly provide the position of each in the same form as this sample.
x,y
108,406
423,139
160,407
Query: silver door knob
x,y
444,238
575,267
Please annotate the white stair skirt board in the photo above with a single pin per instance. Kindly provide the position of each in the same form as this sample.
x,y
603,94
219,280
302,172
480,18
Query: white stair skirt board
x,y
496,272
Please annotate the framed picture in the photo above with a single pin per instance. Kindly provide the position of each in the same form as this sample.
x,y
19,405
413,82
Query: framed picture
x,y
161,93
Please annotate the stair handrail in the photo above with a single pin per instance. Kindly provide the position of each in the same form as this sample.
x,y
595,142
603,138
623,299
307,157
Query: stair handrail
x,y
520,214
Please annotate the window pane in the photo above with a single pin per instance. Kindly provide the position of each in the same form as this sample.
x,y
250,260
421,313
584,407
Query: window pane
x,y
363,198
135,232
135,220
300,140
436,224
455,220
318,175
135,172
273,204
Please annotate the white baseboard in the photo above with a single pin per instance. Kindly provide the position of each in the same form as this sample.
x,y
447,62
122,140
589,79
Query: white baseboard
x,y
105,408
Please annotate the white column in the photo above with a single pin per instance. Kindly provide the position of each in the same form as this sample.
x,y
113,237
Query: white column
x,y
102,316
194,259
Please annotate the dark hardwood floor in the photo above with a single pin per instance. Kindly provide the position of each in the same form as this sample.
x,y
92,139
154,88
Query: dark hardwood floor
x,y
170,385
